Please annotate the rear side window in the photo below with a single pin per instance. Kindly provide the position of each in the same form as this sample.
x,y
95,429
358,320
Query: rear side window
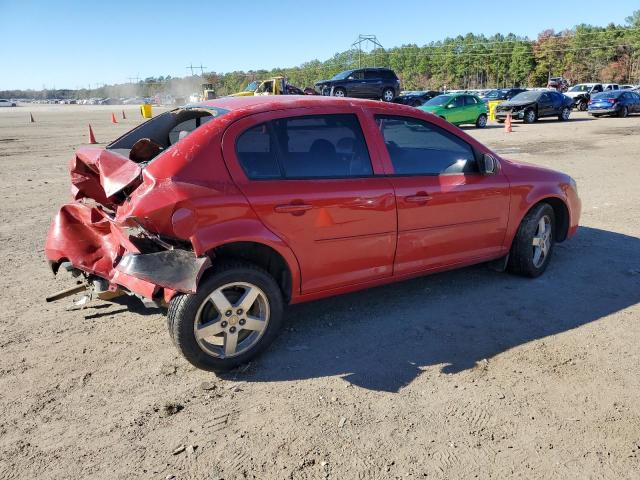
x,y
417,147
469,100
317,146
257,154
371,74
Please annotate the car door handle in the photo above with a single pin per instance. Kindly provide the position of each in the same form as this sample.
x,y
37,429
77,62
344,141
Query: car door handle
x,y
420,197
293,208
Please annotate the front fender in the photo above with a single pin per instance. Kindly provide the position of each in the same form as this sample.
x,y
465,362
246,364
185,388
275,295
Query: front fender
x,y
523,198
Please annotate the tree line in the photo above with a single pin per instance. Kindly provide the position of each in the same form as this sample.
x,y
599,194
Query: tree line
x,y
581,54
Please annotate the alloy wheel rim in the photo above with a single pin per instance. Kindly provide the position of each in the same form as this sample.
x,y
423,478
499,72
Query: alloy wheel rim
x,y
338,93
231,320
482,121
530,116
388,95
565,113
542,241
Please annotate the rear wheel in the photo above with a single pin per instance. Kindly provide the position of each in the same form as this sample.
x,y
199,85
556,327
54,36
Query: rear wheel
x,y
564,114
387,95
623,112
481,122
582,106
533,245
530,116
235,314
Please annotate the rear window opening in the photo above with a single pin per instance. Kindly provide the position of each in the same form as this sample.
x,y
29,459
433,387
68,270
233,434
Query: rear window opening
x,y
144,143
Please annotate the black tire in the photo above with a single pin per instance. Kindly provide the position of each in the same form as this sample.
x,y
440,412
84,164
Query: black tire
x,y
388,95
582,106
481,121
530,116
521,256
564,114
623,112
339,92
184,308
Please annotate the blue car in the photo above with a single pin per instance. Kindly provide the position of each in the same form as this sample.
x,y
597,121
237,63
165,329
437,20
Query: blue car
x,y
617,102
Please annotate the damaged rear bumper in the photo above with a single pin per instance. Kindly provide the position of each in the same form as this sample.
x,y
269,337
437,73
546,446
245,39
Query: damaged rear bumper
x,y
93,243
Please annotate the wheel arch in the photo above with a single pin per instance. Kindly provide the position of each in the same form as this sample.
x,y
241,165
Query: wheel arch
x,y
262,255
250,240
561,214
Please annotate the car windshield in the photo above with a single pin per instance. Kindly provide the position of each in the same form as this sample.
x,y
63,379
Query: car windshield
x,y
342,75
495,93
439,100
252,87
580,88
526,97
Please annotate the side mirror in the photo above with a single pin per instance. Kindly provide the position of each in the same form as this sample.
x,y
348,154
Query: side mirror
x,y
488,164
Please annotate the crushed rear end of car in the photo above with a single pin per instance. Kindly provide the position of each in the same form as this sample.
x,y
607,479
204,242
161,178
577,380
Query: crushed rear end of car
x,y
127,228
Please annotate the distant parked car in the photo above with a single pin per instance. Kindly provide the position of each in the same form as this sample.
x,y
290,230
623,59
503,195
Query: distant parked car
x,y
619,102
415,98
458,109
532,105
7,103
581,94
558,83
502,94
374,83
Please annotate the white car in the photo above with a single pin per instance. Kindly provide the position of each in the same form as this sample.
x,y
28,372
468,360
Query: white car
x,y
6,103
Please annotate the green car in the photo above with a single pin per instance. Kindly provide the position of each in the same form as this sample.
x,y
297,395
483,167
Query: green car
x,y
458,108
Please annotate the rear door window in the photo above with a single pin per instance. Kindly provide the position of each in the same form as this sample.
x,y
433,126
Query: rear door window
x,y
417,147
322,146
469,100
257,153
316,146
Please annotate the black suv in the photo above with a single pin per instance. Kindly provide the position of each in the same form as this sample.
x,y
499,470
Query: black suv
x,y
364,83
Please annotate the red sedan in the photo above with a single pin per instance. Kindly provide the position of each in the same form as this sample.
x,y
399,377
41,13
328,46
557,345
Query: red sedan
x,y
227,210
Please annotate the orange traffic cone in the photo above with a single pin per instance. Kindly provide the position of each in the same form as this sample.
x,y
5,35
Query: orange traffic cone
x,y
92,138
124,117
113,118
507,124
31,118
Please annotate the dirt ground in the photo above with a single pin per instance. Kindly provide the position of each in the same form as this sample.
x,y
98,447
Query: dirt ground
x,y
466,374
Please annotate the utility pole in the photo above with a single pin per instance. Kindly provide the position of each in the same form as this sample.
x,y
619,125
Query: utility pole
x,y
202,69
131,79
366,40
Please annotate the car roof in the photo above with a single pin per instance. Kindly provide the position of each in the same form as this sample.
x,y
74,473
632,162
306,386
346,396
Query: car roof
x,y
262,103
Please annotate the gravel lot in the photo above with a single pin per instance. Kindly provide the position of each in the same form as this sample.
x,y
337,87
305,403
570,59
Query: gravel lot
x,y
466,374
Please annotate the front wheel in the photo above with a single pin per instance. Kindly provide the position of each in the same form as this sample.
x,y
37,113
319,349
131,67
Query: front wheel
x,y
387,95
530,116
481,122
582,106
564,114
235,314
339,92
532,247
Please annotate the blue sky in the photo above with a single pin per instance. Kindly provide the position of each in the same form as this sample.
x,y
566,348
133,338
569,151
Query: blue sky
x,y
70,44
